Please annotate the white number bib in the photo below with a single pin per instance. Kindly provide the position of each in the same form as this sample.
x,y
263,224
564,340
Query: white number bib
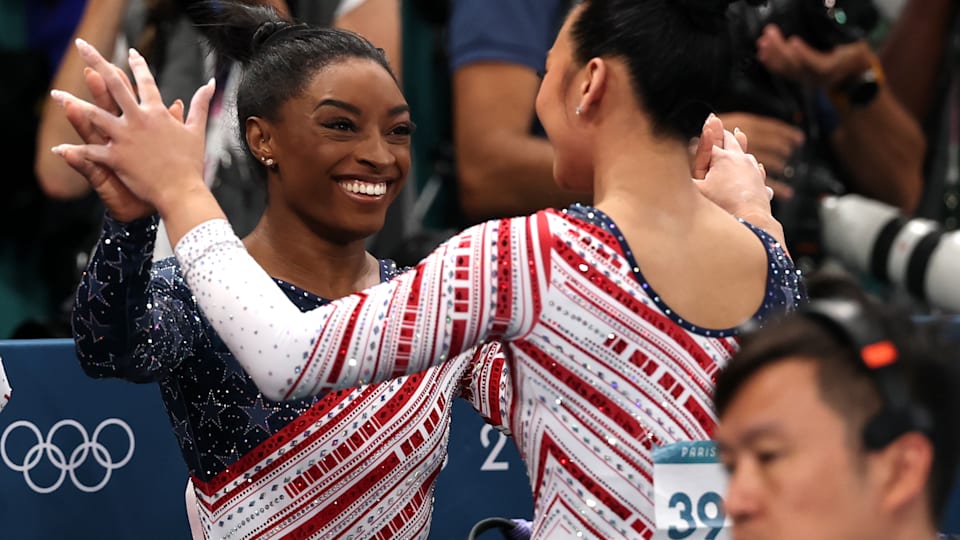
x,y
689,483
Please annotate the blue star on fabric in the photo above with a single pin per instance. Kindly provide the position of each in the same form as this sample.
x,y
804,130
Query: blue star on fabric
x,y
231,368
97,330
211,410
153,363
182,430
230,457
95,288
116,261
164,281
145,320
259,415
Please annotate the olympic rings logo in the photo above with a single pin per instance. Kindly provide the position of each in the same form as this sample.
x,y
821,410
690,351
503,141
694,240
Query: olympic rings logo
x,y
90,446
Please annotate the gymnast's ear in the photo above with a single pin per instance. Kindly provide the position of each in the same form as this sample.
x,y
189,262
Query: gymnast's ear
x,y
258,132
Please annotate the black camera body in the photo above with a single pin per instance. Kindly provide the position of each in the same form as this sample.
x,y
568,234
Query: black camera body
x,y
812,171
823,24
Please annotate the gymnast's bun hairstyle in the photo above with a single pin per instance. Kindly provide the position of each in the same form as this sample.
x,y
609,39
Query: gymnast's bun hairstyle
x,y
279,57
678,53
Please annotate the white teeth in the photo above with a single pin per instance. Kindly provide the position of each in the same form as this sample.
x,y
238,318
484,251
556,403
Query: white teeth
x,y
365,188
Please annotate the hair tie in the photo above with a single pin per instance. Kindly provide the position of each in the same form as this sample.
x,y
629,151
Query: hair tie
x,y
267,33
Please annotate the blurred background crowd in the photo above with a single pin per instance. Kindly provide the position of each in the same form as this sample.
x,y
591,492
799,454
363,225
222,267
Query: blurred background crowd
x,y
838,97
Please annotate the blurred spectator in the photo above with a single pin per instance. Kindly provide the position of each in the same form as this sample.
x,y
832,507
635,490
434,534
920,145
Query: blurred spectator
x,y
915,51
504,164
876,141
921,56
804,67
39,239
377,20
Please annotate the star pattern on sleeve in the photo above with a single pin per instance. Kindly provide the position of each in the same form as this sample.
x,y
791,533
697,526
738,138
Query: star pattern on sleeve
x,y
97,329
95,287
259,415
230,457
211,410
181,428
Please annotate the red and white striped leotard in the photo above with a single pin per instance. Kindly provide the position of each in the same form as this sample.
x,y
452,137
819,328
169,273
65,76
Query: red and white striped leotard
x,y
355,463
602,369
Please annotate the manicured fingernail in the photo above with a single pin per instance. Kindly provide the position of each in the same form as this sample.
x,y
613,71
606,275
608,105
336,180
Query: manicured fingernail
x,y
58,150
134,53
59,96
82,45
736,131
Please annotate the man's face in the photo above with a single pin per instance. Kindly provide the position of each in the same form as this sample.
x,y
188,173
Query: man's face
x,y
793,473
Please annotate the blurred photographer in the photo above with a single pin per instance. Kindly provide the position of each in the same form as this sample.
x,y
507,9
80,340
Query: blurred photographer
x,y
811,93
878,144
921,55
806,65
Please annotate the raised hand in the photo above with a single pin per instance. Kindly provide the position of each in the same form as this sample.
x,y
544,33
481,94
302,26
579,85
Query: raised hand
x,y
702,148
739,176
735,181
793,58
121,203
772,143
732,178
156,155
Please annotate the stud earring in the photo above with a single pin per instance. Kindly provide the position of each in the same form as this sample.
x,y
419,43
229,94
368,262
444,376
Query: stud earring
x,y
578,111
269,162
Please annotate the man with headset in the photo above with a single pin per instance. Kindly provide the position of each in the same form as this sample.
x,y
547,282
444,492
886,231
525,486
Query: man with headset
x,y
839,422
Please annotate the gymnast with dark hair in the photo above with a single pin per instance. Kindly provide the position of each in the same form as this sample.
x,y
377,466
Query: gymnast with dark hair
x,y
615,317
333,142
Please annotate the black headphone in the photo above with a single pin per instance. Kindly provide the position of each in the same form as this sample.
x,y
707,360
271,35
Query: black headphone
x,y
879,358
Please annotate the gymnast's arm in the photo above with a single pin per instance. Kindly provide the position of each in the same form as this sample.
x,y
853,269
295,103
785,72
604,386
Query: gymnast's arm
x,y
131,319
488,385
128,321
477,286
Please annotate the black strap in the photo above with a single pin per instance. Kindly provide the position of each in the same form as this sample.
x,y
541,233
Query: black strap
x,y
919,259
882,247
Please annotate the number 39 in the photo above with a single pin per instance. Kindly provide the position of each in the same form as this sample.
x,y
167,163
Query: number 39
x,y
714,522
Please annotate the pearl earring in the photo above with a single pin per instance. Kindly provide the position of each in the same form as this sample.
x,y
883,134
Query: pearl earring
x,y
578,110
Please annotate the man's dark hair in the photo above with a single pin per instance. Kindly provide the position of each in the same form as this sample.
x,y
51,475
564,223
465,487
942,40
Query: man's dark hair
x,y
927,363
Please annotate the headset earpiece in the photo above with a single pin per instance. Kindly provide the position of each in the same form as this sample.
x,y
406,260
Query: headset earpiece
x,y
878,357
